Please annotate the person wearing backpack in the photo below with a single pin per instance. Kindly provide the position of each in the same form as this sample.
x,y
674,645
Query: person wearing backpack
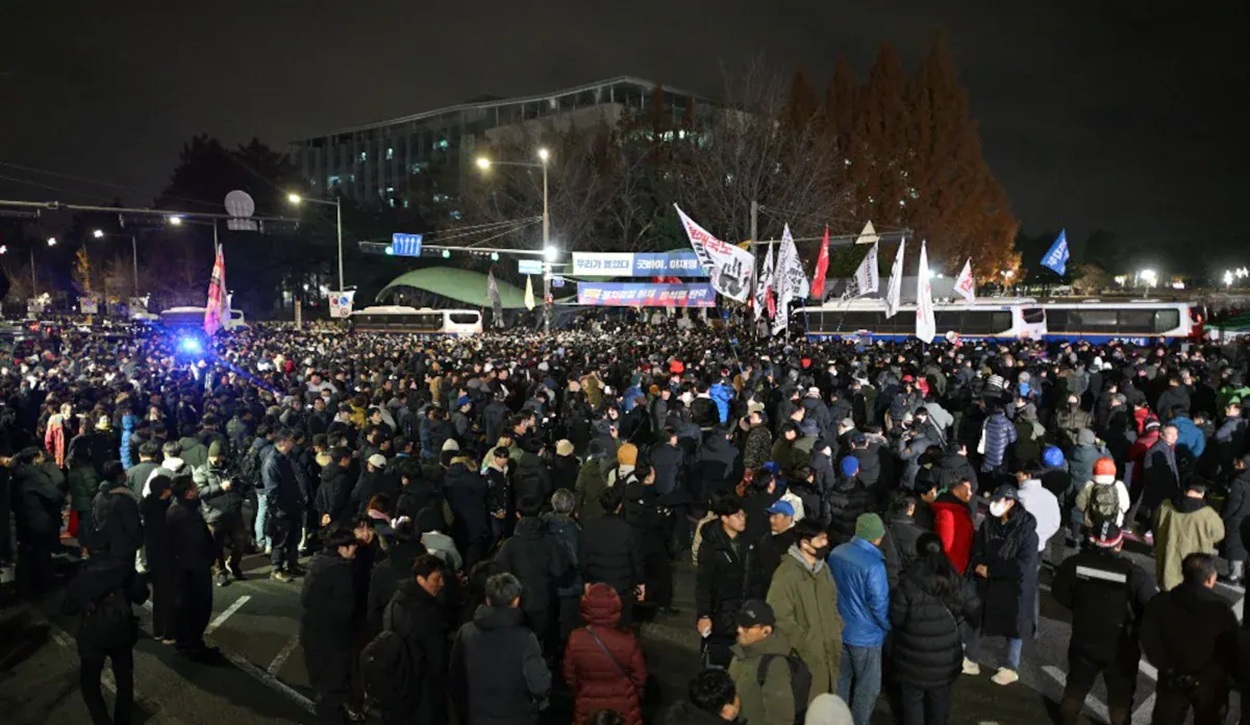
x,y
101,595
327,603
408,676
772,681
603,663
1103,498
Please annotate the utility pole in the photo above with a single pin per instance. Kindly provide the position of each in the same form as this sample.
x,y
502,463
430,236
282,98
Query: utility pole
x,y
755,220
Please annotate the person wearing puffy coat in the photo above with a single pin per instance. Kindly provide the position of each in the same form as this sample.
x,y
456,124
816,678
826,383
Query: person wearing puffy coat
x,y
996,438
927,608
603,664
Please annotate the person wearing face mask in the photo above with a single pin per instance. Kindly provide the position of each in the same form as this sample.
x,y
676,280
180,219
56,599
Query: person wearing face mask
x,y
803,597
1005,556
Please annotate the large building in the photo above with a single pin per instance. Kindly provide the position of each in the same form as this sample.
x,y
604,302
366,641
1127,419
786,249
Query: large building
x,y
375,162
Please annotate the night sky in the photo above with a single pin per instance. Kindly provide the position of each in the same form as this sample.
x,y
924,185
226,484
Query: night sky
x,y
1127,116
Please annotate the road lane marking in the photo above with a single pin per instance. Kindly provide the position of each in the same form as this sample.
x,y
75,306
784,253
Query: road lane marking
x,y
270,681
221,618
283,654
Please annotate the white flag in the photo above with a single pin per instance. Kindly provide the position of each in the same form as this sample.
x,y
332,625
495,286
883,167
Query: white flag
x,y
529,293
762,284
867,279
791,283
868,236
895,290
730,267
926,327
965,285
341,303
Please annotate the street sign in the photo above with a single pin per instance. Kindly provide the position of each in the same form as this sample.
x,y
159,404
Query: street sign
x,y
557,281
405,245
529,266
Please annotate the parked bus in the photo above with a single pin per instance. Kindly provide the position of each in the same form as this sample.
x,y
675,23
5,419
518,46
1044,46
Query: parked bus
x,y
1006,318
424,321
194,317
1137,321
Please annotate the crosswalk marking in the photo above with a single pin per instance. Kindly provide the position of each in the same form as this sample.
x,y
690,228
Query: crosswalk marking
x,y
283,654
221,618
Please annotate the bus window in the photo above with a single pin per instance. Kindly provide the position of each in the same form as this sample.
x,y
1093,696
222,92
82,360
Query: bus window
x,y
1166,320
464,318
1137,321
1033,315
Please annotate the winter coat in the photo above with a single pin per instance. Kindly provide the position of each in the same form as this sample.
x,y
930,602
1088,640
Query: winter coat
x,y
1191,439
1191,630
1160,475
927,644
532,478
119,527
770,703
953,468
466,495
328,602
1107,594
715,468
564,470
1045,509
282,485
96,581
39,518
1236,509
418,617
805,602
863,587
899,545
998,434
850,498
591,480
1081,463
216,502
765,557
722,395
721,578
190,542
372,483
539,560
334,495
1183,526
83,486
609,553
758,447
599,680
1085,497
1028,443
497,673
1009,550
124,450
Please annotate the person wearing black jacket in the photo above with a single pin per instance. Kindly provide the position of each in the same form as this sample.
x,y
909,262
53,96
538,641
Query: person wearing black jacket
x,y
101,595
39,519
497,674
415,614
651,519
531,477
327,604
610,553
1190,634
466,495
715,468
539,561
193,552
721,580
376,479
333,501
766,556
901,534
285,496
221,499
1108,595
119,525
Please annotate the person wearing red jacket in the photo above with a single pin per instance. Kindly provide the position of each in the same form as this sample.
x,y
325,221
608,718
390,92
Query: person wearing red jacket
x,y
603,664
1133,467
952,522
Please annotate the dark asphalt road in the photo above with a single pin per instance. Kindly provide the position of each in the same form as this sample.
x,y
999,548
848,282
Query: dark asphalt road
x,y
265,680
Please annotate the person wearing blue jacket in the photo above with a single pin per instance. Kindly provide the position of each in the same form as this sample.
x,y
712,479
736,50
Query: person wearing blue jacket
x,y
128,429
1191,437
859,572
722,394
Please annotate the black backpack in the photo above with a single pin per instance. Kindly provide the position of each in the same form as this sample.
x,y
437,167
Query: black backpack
x,y
249,470
386,665
800,680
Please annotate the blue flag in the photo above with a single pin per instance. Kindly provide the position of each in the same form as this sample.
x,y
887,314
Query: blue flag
x,y
1057,256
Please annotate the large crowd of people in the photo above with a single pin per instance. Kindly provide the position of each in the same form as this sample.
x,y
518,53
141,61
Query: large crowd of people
x,y
472,524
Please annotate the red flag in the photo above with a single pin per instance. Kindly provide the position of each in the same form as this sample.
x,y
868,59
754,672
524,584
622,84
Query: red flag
x,y
822,266
215,309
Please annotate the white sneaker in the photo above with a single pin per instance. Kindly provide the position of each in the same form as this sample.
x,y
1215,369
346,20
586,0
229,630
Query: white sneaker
x,y
971,668
268,549
1004,676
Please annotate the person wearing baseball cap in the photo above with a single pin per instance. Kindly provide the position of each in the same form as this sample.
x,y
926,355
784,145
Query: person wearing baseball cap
x,y
1005,560
766,556
1107,594
763,687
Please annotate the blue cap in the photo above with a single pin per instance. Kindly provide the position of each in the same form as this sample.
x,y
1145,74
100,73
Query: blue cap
x,y
1052,457
463,401
849,466
782,507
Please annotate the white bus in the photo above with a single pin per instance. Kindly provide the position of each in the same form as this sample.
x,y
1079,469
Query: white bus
x,y
194,317
1007,318
1136,321
423,321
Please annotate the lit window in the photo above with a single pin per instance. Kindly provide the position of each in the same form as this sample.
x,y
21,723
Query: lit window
x,y
390,154
333,180
364,156
391,201
390,190
455,214
405,203
417,167
442,143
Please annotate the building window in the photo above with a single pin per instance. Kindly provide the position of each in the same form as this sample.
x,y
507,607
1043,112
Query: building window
x,y
455,214
443,144
390,190
364,156
332,181
390,153
405,203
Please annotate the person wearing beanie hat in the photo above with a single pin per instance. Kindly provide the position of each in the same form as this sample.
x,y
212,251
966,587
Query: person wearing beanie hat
x,y
1107,594
627,455
859,571
849,466
221,504
1103,497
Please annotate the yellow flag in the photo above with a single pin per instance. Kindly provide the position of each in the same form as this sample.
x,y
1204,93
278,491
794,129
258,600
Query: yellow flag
x,y
529,293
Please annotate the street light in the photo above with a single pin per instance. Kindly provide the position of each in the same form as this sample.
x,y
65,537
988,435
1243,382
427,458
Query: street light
x,y
134,249
175,220
51,241
550,253
296,200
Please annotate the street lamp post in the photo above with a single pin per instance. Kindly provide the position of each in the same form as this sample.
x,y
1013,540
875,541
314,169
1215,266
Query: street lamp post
x,y
549,252
296,199
34,285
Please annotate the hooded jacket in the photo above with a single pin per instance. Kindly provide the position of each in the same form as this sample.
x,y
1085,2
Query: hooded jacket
x,y
805,602
611,680
997,435
721,578
538,559
1010,553
1183,526
497,674
928,647
771,703
418,617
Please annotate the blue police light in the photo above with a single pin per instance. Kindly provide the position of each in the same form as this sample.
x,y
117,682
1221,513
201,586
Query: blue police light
x,y
190,346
